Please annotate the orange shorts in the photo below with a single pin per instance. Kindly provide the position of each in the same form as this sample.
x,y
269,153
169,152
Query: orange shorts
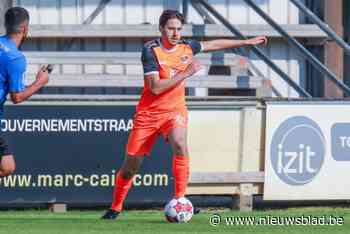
x,y
147,126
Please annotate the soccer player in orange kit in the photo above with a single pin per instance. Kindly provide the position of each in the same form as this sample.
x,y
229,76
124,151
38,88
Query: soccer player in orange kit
x,y
167,63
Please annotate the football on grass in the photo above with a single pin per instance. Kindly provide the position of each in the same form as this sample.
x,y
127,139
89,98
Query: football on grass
x,y
178,210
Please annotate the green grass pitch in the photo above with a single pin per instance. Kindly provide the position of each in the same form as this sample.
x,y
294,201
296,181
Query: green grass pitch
x,y
152,222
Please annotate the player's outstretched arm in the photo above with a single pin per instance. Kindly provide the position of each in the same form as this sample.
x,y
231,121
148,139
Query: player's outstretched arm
x,y
42,78
221,44
158,86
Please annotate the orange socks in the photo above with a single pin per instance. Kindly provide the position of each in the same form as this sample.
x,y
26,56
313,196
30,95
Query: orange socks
x,y
181,172
120,192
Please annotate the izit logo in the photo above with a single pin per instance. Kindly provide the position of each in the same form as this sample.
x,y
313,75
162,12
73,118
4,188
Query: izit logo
x,y
303,158
297,150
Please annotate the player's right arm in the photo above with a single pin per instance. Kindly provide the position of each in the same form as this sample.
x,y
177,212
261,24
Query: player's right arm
x,y
16,72
158,86
151,73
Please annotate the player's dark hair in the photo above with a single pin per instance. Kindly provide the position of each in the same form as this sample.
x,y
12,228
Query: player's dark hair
x,y
14,17
170,14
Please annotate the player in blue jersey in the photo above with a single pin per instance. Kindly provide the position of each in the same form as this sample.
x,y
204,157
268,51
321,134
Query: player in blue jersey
x,y
12,72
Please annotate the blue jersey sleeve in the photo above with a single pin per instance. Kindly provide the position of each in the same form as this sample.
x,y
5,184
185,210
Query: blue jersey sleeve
x,y
195,46
149,61
16,71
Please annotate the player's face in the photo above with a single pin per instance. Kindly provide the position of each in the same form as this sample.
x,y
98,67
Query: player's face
x,y
172,31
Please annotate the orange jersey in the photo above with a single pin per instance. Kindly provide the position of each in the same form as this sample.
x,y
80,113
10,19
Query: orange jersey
x,y
166,63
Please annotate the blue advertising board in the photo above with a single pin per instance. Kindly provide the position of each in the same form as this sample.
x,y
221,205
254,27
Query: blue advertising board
x,y
70,153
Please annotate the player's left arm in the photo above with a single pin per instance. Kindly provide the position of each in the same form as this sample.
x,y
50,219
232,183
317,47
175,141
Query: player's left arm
x,y
221,44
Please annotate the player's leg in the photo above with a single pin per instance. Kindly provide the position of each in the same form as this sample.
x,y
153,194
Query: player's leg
x,y
181,162
176,133
123,182
124,179
7,161
178,140
140,143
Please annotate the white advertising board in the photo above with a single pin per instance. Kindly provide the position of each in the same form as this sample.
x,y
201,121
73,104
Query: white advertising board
x,y
307,151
